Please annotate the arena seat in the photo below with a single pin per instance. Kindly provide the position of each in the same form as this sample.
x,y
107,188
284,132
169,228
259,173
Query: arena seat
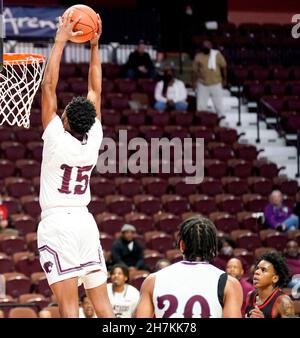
x,y
260,185
166,222
239,168
151,259
128,186
229,203
102,186
224,221
97,205
106,241
6,264
17,186
182,117
155,186
7,168
109,223
210,186
202,132
141,221
174,255
135,117
40,284
11,244
26,263
24,223
22,312
277,241
118,204
175,204
31,205
13,150
16,283
235,185
147,204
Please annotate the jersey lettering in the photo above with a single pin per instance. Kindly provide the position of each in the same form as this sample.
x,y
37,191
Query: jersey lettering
x,y
172,306
79,189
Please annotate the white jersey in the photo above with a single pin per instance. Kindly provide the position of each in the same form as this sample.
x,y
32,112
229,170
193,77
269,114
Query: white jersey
x,y
189,290
67,165
123,303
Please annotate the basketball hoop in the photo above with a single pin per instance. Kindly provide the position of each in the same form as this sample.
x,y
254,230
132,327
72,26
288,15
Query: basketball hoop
x,y
19,82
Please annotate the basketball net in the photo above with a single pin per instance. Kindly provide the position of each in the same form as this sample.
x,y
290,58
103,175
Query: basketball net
x,y
19,82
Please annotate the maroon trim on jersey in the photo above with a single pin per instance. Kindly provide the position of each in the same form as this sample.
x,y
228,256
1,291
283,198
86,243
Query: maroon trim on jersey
x,y
267,301
58,265
273,308
192,263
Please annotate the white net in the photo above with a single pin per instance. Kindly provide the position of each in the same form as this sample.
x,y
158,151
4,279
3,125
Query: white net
x,y
19,82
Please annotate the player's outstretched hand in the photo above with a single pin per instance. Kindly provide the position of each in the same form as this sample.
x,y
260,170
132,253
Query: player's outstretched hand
x,y
96,38
65,29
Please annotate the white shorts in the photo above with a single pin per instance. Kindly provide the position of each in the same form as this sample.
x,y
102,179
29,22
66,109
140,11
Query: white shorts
x,y
69,244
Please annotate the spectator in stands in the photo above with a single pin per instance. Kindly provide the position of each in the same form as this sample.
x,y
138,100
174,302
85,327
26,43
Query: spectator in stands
x,y
235,269
292,255
3,215
161,264
2,314
278,216
170,93
209,74
127,250
139,64
123,297
86,310
45,314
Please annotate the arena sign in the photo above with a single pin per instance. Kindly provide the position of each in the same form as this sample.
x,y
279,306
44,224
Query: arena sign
x,y
31,21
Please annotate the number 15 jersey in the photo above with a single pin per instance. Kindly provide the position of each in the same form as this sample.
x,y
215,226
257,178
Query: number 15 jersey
x,y
189,290
67,164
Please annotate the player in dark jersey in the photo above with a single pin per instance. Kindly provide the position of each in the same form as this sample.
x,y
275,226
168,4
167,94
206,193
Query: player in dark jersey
x,y
268,300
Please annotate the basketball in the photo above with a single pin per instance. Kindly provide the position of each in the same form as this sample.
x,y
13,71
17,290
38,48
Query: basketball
x,y
88,23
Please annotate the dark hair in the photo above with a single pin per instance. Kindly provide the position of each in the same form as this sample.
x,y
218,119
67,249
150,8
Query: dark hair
x,y
223,239
279,265
81,114
83,297
199,235
122,267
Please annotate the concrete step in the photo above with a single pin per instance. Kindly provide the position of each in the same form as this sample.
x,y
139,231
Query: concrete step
x,y
279,153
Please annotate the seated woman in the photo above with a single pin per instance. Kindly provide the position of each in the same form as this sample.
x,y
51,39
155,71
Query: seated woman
x,y
170,93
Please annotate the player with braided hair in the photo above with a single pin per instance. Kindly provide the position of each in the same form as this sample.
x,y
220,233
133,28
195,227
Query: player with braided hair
x,y
192,288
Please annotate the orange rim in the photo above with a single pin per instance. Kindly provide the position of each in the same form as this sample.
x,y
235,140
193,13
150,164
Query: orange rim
x,y
22,58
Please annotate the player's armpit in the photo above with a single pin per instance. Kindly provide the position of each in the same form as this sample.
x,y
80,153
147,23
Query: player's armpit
x,y
285,307
233,299
145,308
49,104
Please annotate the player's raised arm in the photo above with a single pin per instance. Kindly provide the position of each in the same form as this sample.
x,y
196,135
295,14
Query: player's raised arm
x,y
95,72
50,79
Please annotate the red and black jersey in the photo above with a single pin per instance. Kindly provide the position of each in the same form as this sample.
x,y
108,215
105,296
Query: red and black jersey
x,y
268,307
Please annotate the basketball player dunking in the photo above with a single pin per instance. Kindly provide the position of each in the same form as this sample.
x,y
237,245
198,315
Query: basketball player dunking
x,y
68,237
192,287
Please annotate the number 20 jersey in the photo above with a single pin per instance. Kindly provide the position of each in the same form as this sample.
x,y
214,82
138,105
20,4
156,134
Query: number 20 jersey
x,y
67,165
189,290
